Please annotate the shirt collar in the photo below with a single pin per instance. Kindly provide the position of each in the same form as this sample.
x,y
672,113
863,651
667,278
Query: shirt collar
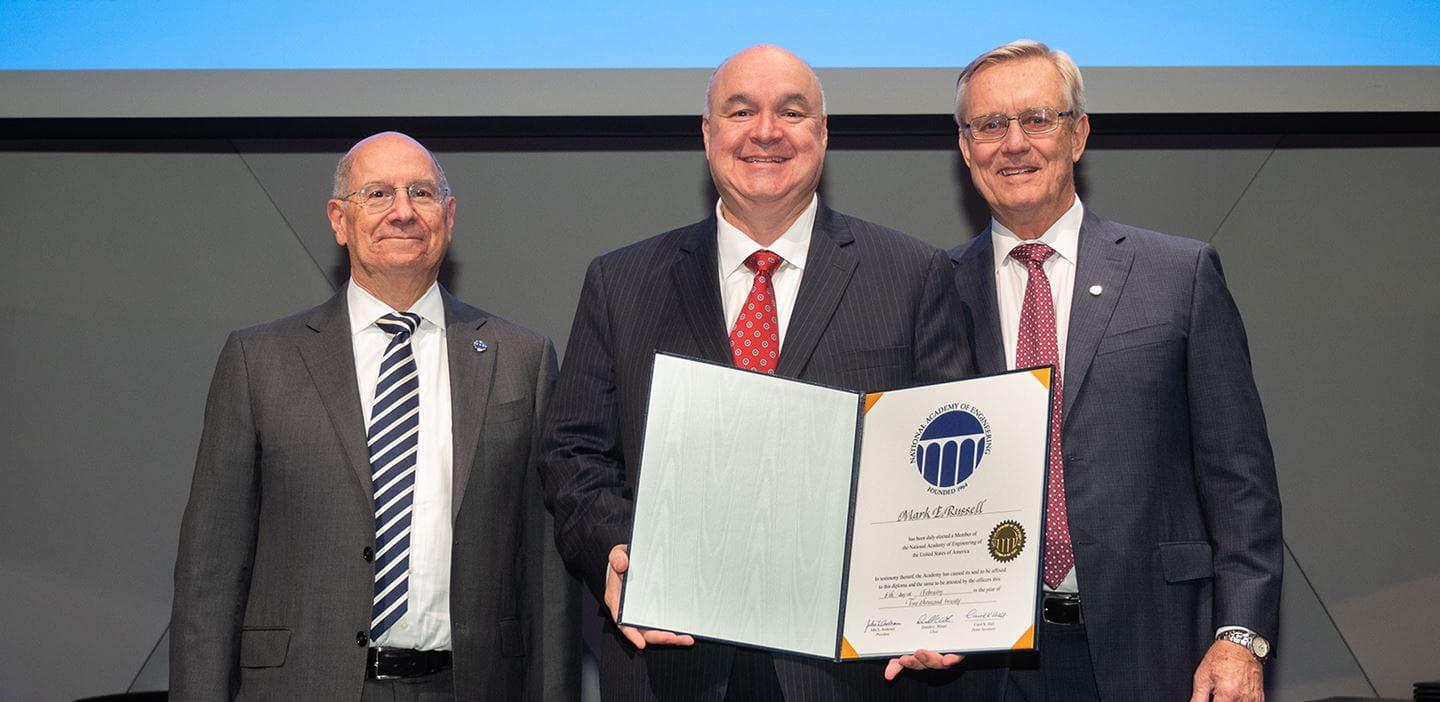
x,y
1063,236
734,246
365,308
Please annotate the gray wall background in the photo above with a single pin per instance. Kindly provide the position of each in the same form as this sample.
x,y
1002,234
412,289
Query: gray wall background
x,y
674,91
125,264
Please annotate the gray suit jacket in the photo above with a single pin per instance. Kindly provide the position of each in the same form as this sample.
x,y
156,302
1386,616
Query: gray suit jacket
x,y
875,311
1169,477
272,584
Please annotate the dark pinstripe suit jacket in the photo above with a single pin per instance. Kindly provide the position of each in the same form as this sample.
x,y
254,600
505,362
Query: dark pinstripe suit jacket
x,y
1169,478
875,310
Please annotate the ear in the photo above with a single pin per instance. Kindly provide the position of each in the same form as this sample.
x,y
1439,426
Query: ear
x,y
335,211
964,147
825,131
1082,133
450,205
705,134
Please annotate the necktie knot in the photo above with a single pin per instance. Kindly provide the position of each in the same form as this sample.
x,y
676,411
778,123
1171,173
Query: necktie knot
x,y
400,325
763,261
1032,254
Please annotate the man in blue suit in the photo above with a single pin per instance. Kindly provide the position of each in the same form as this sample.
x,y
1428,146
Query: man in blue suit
x,y
1163,548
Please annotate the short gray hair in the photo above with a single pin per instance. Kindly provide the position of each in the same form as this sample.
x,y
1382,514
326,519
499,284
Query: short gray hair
x,y
1024,49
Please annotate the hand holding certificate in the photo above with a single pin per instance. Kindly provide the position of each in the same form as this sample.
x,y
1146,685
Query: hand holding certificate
x,y
639,638
779,514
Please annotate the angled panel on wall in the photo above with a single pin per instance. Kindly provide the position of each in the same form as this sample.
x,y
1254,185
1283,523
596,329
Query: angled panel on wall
x,y
1332,256
296,178
1178,185
1311,659
924,193
527,223
122,274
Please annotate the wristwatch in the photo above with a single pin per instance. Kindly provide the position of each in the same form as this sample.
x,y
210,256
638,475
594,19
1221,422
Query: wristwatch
x,y
1253,642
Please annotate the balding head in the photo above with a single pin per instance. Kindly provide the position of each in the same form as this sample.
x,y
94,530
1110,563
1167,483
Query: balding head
x,y
342,185
762,52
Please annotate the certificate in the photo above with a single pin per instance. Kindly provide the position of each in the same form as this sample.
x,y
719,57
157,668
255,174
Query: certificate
x,y
780,514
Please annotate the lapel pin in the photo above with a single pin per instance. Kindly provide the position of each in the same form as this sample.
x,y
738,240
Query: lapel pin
x,y
1094,290
480,345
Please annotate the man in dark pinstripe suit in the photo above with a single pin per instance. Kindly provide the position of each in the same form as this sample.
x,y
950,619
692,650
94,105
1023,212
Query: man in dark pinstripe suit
x,y
859,306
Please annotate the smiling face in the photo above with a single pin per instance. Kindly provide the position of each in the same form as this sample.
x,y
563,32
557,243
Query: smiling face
x,y
765,131
1029,180
401,241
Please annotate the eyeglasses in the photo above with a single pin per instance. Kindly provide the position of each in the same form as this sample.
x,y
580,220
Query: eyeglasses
x,y
378,197
1034,121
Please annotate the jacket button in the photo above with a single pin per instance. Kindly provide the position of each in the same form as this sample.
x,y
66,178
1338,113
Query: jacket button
x,y
368,554
362,639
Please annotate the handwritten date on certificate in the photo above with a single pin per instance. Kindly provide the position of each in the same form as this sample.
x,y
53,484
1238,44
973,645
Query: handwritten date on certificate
x,y
941,588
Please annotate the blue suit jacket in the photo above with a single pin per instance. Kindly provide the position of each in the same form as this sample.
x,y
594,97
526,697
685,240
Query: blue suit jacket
x,y
1169,477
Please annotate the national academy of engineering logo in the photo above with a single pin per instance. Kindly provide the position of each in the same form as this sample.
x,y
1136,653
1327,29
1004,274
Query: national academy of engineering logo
x,y
949,446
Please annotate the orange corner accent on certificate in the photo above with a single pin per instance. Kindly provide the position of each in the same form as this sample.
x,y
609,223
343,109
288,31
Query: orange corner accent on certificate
x,y
874,397
1027,639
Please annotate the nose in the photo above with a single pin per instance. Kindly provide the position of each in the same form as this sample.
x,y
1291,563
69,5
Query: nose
x,y
767,129
401,209
1015,140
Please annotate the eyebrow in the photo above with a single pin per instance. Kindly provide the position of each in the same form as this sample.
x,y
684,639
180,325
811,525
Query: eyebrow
x,y
745,99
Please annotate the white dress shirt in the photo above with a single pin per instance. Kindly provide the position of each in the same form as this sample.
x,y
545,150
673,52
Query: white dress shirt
x,y
734,246
1011,276
426,623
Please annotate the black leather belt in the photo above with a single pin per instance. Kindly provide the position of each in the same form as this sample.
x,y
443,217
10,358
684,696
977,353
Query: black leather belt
x,y
391,663
1062,608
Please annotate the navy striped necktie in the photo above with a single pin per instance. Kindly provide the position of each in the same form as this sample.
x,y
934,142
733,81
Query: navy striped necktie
x,y
394,438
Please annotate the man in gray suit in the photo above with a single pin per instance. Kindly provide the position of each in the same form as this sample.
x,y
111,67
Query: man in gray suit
x,y
840,301
1162,556
363,521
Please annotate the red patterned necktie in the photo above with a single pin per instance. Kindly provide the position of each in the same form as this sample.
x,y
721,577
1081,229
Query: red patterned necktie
x,y
1036,346
755,339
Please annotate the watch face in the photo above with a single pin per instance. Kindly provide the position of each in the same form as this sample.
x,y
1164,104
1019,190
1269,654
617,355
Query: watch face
x,y
1259,646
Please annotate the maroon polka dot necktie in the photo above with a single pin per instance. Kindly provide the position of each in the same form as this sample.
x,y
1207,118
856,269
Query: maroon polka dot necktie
x,y
755,339
1036,346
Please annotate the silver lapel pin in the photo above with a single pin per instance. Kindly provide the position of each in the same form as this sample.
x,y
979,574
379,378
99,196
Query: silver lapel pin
x,y
480,345
1094,290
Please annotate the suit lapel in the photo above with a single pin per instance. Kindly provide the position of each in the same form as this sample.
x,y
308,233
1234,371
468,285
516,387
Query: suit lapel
x,y
694,274
975,282
330,359
471,376
1104,260
828,268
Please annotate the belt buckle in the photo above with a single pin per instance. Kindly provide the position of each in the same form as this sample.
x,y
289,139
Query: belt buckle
x,y
375,669
1062,600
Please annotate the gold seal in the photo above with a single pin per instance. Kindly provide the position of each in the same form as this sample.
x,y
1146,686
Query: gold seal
x,y
1007,540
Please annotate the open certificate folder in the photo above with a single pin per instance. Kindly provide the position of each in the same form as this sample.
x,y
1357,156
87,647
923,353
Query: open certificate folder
x,y
778,514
